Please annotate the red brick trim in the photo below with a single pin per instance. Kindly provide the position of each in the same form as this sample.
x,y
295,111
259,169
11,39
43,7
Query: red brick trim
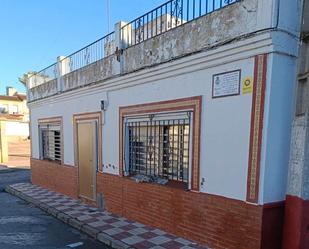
x,y
191,103
257,116
51,162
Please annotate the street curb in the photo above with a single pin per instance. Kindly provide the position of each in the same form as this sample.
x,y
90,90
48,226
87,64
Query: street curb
x,y
63,217
2,171
75,223
9,170
91,231
71,221
54,212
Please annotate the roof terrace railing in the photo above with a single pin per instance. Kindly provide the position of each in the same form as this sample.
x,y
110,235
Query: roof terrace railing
x,y
95,51
167,16
45,75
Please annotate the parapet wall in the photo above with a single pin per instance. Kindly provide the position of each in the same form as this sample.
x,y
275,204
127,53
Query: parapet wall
x,y
205,32
219,27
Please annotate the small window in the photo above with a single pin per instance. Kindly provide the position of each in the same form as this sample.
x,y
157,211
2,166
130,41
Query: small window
x,y
50,142
302,97
159,145
4,108
14,109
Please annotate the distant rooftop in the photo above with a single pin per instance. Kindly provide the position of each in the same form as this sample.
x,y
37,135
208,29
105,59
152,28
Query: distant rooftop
x,y
13,95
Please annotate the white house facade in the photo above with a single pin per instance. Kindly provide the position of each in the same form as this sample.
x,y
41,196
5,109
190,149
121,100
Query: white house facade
x,y
186,128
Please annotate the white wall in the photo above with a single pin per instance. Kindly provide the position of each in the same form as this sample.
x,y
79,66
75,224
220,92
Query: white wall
x,y
224,133
17,129
290,15
225,127
279,112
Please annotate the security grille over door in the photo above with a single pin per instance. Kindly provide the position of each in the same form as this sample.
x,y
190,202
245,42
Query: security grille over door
x,y
159,145
50,141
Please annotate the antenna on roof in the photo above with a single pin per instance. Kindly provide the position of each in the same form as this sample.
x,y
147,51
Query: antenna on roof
x,y
108,15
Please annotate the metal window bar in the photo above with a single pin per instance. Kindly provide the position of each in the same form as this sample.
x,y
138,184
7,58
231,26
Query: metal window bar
x,y
51,144
159,148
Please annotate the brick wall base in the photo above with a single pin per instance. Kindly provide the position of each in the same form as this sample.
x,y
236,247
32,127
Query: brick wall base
x,y
217,222
56,177
210,220
272,225
296,226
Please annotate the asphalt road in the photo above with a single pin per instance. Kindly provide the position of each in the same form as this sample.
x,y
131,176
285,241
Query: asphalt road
x,y
24,226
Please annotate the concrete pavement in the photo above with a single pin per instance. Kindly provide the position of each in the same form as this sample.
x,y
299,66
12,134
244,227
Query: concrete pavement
x,y
110,229
24,226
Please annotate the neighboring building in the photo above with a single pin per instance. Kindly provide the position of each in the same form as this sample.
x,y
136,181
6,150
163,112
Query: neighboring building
x,y
296,233
14,121
201,113
13,105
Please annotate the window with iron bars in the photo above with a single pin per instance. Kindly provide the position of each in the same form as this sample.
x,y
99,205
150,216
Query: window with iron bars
x,y
159,145
50,142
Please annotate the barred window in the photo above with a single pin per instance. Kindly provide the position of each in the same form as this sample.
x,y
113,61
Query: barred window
x,y
159,145
50,142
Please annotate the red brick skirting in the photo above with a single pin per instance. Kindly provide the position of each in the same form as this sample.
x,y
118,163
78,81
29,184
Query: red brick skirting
x,y
272,225
54,176
211,220
296,223
217,222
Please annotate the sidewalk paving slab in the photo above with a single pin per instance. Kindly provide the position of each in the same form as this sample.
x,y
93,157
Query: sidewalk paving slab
x,y
115,231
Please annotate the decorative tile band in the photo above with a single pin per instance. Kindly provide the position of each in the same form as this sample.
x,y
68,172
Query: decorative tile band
x,y
257,116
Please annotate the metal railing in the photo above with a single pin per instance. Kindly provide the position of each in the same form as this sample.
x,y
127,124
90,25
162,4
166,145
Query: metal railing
x,y
95,51
169,15
47,74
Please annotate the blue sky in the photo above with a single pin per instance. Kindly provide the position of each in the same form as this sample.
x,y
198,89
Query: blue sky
x,y
34,32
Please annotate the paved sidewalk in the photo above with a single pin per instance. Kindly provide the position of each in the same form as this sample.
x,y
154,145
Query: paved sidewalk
x,y
110,229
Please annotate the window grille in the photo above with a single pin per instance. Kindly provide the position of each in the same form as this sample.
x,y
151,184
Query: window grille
x,y
50,144
159,146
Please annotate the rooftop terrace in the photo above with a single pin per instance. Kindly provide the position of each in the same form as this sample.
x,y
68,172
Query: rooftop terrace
x,y
147,40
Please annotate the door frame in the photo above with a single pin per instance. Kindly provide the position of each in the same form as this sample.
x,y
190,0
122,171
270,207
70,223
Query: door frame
x,y
90,116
